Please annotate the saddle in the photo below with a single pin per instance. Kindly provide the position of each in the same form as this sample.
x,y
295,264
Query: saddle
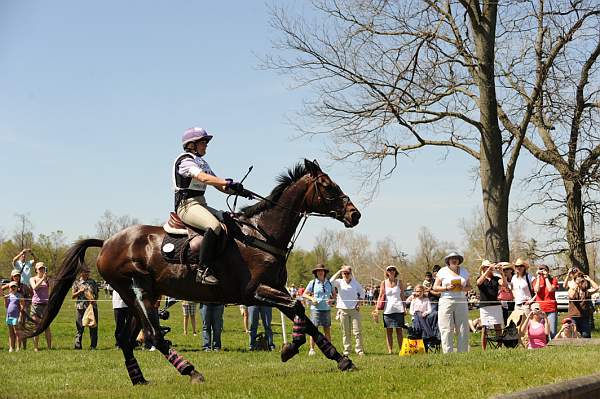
x,y
175,247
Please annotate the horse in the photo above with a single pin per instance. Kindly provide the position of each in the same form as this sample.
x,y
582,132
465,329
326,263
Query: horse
x,y
251,267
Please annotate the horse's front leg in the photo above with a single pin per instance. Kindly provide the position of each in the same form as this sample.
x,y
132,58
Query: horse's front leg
x,y
303,325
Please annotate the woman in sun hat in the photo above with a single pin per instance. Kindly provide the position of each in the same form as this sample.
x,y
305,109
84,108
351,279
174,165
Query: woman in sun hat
x,y
453,313
391,302
319,293
490,311
522,288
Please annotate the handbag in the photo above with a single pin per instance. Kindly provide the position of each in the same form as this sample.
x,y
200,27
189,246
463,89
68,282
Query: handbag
x,y
88,319
505,294
412,347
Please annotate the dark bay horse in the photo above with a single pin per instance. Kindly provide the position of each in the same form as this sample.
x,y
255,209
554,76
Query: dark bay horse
x,y
251,267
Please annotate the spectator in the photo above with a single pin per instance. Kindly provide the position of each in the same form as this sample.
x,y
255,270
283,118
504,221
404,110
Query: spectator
x,y
349,293
424,317
569,282
293,291
490,311
25,293
521,284
544,286
568,329
369,295
505,293
189,315
581,309
536,328
39,302
85,291
266,315
122,315
433,295
13,302
453,314
244,313
23,265
391,301
212,326
319,292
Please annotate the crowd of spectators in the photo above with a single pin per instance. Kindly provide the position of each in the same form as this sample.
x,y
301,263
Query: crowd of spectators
x,y
504,292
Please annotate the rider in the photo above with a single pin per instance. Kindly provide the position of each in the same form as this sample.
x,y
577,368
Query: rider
x,y
191,175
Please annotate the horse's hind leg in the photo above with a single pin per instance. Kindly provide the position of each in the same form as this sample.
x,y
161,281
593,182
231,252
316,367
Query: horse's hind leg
x,y
144,304
303,325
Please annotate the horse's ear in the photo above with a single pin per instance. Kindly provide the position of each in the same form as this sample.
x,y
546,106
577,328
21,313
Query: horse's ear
x,y
312,167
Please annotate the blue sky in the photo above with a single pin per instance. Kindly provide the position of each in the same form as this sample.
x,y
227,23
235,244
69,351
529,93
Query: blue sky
x,y
96,95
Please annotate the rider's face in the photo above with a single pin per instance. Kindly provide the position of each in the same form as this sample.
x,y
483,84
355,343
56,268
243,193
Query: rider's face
x,y
201,147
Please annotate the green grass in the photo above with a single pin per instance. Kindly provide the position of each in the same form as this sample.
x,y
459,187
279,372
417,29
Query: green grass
x,y
235,373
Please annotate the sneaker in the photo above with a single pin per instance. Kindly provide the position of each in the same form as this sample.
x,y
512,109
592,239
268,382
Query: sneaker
x,y
152,349
311,352
361,353
216,349
206,349
11,350
195,335
346,353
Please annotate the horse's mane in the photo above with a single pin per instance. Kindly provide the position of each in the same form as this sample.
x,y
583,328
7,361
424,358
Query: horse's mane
x,y
284,180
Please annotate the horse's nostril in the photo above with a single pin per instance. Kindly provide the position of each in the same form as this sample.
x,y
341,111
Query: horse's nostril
x,y
355,217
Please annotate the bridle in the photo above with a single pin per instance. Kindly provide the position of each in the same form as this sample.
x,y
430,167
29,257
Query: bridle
x,y
304,215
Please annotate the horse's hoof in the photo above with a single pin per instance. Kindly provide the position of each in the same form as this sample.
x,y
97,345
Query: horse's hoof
x,y
196,377
288,351
345,364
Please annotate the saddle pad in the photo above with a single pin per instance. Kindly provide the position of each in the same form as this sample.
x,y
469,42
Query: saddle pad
x,y
175,249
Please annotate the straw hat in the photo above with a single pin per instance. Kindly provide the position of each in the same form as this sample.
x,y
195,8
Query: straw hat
x,y
390,268
13,284
506,265
521,262
454,254
485,264
320,266
14,273
39,265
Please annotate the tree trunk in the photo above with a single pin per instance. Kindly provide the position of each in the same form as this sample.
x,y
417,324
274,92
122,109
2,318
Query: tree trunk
x,y
576,226
494,187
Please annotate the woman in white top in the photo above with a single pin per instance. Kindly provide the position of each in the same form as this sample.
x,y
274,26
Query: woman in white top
x,y
349,294
391,297
453,313
521,284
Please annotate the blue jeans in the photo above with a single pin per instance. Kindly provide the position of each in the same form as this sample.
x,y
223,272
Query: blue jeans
x,y
266,314
552,320
583,326
212,325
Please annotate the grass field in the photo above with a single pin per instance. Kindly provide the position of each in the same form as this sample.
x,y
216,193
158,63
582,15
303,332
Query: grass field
x,y
235,373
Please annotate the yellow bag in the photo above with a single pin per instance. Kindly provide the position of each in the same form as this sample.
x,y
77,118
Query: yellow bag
x,y
412,347
88,319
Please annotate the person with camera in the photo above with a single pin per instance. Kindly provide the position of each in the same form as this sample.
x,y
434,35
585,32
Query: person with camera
x,y
23,265
581,309
490,311
85,292
568,329
535,328
544,286
39,302
522,289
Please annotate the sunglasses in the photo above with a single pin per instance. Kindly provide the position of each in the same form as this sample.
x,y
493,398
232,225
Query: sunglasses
x,y
346,273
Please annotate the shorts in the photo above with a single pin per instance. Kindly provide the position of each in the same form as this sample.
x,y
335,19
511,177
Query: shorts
x,y
320,318
491,315
12,321
189,308
38,309
393,320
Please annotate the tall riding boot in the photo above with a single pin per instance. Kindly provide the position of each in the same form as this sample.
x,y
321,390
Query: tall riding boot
x,y
207,247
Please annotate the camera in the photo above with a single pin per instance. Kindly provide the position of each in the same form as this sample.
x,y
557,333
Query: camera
x,y
163,314
573,270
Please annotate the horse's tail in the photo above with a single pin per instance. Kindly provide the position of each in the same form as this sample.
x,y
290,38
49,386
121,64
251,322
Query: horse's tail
x,y
74,259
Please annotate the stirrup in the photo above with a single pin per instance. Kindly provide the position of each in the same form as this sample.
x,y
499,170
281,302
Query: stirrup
x,y
205,276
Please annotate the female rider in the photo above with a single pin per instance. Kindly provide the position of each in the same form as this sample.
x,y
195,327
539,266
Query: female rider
x,y
191,175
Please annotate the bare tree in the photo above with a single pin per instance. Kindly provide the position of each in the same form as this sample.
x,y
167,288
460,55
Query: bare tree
x,y
23,236
109,224
393,77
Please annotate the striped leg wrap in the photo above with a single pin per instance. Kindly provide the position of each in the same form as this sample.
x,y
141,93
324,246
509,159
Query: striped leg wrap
x,y
134,371
327,348
298,331
182,365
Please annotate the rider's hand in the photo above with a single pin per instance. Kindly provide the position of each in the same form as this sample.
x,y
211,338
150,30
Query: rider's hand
x,y
235,187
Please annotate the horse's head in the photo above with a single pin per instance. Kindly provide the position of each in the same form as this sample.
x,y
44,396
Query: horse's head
x,y
326,197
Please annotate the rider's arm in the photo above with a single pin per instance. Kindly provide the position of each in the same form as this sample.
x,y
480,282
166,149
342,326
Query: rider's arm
x,y
211,180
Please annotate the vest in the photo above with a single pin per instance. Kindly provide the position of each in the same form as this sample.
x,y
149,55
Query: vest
x,y
184,186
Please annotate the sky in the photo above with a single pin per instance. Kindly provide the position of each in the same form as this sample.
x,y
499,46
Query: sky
x,y
96,95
